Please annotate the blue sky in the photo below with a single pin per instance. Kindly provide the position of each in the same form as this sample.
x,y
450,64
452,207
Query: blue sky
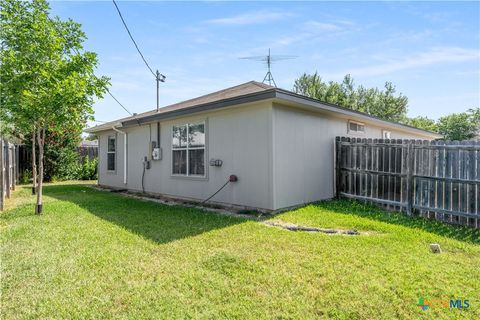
x,y
429,50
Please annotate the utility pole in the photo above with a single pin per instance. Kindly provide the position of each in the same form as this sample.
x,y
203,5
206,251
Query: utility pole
x,y
160,78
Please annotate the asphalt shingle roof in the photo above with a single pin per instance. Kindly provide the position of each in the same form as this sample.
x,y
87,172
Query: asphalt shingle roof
x,y
240,90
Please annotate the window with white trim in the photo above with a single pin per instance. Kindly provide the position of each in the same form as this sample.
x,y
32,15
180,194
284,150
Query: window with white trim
x,y
111,153
188,149
355,127
386,134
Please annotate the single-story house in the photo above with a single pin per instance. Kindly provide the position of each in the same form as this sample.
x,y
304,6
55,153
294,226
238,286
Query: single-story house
x,y
278,143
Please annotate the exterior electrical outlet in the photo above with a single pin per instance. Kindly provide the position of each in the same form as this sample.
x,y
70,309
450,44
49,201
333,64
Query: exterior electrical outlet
x,y
216,162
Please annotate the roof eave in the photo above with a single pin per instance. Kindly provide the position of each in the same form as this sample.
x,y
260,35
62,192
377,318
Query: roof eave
x,y
249,98
299,99
273,93
103,127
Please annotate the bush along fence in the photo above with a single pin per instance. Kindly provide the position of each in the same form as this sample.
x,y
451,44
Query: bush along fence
x,y
25,159
8,170
434,179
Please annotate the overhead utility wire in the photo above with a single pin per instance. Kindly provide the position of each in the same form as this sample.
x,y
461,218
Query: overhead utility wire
x,y
133,40
121,105
106,88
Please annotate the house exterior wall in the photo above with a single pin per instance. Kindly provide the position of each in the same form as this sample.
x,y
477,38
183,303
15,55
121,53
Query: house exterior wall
x,y
239,136
303,153
283,156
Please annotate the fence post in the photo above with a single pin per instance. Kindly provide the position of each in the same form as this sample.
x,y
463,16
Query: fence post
x,y
14,166
410,163
338,158
7,169
2,175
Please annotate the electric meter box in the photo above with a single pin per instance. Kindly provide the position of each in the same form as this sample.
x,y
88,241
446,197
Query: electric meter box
x,y
157,154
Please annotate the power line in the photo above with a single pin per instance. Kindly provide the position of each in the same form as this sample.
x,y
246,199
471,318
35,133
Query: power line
x,y
133,40
121,105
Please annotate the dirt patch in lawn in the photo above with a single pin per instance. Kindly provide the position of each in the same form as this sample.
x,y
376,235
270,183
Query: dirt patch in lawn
x,y
294,227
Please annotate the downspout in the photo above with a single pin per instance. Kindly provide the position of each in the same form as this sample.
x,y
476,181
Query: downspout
x,y
124,153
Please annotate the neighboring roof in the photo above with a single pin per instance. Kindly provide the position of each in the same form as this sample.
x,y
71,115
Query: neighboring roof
x,y
247,92
89,143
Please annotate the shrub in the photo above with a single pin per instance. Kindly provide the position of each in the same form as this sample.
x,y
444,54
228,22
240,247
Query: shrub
x,y
26,176
88,169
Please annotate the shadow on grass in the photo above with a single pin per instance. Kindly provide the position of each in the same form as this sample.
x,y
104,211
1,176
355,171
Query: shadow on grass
x,y
371,212
158,222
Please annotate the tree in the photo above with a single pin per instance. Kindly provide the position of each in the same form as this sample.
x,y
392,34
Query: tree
x,y
61,154
46,81
460,126
420,122
384,104
91,137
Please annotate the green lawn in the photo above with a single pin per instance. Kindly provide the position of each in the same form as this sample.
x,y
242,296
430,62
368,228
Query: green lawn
x,y
95,254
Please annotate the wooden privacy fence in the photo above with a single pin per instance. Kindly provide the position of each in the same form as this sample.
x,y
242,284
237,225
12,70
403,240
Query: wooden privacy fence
x,y
88,151
435,179
8,169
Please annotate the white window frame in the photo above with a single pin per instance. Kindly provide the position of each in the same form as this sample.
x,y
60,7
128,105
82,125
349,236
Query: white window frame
x,y
350,131
388,133
187,148
114,137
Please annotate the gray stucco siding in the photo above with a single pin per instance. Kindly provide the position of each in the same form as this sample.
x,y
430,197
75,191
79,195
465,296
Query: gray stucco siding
x,y
283,155
240,137
303,152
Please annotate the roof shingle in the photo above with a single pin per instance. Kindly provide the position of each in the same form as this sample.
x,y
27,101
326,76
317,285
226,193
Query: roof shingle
x,y
239,90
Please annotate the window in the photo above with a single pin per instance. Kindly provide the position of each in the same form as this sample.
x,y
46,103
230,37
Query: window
x,y
386,134
356,127
188,149
111,153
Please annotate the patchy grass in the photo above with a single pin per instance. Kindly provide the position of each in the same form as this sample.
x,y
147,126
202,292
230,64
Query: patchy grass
x,y
95,254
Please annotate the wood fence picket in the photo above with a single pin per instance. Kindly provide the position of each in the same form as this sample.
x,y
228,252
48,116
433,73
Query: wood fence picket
x,y
434,179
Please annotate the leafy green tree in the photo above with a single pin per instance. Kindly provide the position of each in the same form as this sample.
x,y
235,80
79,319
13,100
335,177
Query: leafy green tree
x,y
385,104
46,81
420,122
460,126
91,137
61,155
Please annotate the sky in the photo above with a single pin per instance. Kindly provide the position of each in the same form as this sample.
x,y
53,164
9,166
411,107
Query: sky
x,y
429,50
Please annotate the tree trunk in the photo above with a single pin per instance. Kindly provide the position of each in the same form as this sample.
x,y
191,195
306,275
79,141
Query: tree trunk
x,y
34,163
41,142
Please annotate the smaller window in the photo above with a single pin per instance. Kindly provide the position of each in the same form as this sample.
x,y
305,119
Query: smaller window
x,y
386,134
356,127
111,149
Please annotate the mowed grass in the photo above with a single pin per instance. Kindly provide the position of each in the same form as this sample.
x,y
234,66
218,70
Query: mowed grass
x,y
95,254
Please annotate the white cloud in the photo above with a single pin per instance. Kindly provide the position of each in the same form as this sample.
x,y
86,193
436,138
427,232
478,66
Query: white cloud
x,y
315,30
321,26
438,55
257,17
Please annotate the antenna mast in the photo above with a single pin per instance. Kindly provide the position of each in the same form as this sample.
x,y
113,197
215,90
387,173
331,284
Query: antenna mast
x,y
269,77
268,60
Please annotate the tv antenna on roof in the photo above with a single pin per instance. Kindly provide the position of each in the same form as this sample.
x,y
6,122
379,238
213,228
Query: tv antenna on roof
x,y
268,60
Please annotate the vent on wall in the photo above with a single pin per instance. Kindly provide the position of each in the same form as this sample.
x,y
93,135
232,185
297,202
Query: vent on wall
x,y
386,134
